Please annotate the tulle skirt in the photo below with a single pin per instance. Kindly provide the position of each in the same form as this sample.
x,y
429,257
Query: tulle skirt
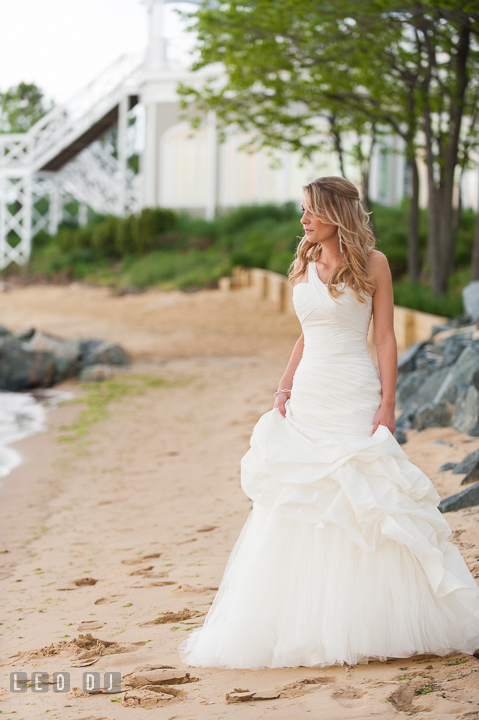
x,y
297,595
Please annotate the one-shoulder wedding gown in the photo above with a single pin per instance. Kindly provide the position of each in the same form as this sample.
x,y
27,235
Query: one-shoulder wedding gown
x,y
344,556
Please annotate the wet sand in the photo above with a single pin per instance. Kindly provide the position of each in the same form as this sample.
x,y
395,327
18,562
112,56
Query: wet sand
x,y
137,515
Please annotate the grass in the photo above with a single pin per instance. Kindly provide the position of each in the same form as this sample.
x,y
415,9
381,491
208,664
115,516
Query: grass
x,y
99,396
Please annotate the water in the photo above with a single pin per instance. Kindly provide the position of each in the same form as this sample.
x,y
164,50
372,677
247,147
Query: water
x,y
22,415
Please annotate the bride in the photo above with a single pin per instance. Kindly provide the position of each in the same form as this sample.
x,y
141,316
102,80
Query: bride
x,y
344,556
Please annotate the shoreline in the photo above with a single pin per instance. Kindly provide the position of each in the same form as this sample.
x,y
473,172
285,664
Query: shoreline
x,y
158,476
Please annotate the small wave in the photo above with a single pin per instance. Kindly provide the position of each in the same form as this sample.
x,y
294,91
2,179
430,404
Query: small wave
x,y
22,415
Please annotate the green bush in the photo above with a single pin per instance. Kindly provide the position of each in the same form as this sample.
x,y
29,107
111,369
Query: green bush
x,y
173,269
418,296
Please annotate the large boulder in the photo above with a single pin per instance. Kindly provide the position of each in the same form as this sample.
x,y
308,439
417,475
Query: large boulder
x,y
470,299
23,369
66,353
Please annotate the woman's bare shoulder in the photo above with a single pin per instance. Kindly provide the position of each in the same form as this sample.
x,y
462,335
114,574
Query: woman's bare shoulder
x,y
304,276
378,267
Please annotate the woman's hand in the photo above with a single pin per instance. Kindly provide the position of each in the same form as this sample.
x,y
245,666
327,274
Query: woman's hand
x,y
385,416
280,402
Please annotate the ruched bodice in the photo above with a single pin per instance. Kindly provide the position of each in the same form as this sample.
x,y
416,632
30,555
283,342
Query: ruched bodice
x,y
336,385
332,326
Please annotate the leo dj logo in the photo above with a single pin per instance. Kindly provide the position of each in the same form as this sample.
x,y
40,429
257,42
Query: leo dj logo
x,y
40,682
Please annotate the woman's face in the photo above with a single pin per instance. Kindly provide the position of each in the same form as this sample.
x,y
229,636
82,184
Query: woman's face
x,y
316,230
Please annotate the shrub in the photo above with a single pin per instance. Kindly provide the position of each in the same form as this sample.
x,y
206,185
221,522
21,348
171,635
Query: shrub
x,y
418,296
174,269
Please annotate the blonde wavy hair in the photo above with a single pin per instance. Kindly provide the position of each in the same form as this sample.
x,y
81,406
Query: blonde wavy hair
x,y
335,200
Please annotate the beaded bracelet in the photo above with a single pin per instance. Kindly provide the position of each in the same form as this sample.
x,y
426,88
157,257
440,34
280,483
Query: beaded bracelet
x,y
281,391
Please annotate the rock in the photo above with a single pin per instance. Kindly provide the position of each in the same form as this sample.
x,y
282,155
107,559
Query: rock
x,y
400,436
96,373
22,369
421,386
453,347
25,334
470,298
464,499
103,353
462,371
437,329
467,463
66,353
4,332
466,413
407,359
472,476
447,466
433,415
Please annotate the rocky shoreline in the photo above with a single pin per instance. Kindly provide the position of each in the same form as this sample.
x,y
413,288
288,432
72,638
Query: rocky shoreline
x,y
32,359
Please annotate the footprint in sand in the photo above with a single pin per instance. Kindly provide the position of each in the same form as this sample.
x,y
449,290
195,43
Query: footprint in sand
x,y
80,582
107,600
349,697
142,571
306,685
170,617
143,558
160,583
86,625
83,650
207,528
191,589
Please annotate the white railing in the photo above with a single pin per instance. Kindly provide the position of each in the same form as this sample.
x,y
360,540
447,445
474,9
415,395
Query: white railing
x,y
61,126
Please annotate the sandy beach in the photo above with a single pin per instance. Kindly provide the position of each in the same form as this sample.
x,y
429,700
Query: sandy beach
x,y
127,507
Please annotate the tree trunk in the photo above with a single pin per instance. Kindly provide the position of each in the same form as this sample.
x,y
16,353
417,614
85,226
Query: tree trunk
x,y
414,262
337,141
366,169
475,249
442,159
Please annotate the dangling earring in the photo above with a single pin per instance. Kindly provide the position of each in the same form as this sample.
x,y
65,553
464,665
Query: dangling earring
x,y
340,241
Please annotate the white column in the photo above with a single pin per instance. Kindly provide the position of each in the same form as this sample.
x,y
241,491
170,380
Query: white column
x,y
27,218
156,52
150,158
3,222
54,210
212,160
122,154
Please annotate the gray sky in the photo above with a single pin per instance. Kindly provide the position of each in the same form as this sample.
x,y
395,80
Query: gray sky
x,y
62,45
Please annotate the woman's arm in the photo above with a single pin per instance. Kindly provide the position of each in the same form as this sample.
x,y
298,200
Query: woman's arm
x,y
286,381
384,338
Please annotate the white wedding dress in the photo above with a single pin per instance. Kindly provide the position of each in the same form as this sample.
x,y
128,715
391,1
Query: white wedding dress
x,y
344,556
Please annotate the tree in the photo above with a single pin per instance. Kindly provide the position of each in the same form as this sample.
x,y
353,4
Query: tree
x,y
21,107
368,65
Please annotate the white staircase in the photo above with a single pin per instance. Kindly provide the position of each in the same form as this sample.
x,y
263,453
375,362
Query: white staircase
x,y
59,158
